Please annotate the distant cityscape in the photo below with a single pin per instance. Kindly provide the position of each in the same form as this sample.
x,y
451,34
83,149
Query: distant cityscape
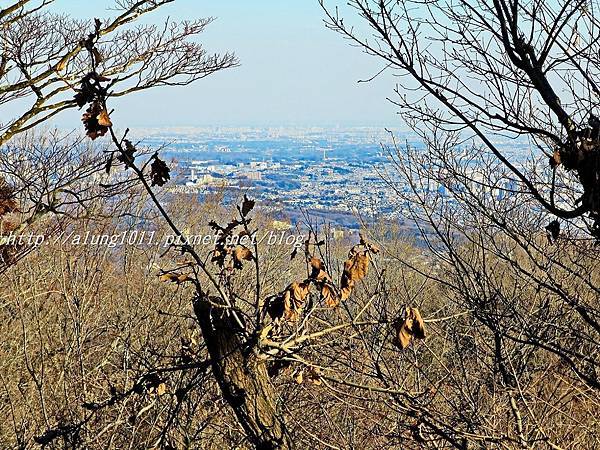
x,y
327,173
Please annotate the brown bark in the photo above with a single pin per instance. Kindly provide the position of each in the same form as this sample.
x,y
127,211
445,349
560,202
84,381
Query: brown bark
x,y
243,379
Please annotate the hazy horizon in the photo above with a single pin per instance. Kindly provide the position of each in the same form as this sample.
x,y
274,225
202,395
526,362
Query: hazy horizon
x,y
293,71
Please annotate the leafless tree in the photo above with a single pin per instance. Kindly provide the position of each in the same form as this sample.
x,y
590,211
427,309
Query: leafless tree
x,y
497,70
503,96
44,58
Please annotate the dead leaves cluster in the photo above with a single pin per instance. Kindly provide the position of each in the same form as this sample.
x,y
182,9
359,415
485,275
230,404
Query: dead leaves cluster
x,y
357,266
581,154
96,120
355,269
288,305
228,254
323,282
91,91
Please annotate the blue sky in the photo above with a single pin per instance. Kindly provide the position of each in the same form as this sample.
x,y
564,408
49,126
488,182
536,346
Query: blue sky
x,y
293,70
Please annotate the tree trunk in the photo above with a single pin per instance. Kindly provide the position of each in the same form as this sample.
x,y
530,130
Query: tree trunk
x,y
243,379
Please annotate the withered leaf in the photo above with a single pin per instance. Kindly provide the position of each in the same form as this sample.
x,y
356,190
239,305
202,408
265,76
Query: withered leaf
x,y
184,278
289,304
175,278
90,119
329,295
104,119
408,326
241,254
218,257
98,58
553,228
317,266
346,290
555,159
358,267
355,269
371,247
230,227
159,172
91,89
298,292
127,157
247,206
87,93
161,389
166,277
323,282
109,163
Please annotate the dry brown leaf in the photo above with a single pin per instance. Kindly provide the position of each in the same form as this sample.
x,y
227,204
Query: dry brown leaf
x,y
555,159
166,277
371,247
91,121
104,119
175,278
241,254
288,305
299,292
97,55
409,326
329,295
346,291
316,264
289,311
184,278
247,206
323,282
161,389
159,172
355,269
293,300
359,266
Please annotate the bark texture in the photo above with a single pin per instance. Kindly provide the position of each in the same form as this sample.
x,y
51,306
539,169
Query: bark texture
x,y
243,379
